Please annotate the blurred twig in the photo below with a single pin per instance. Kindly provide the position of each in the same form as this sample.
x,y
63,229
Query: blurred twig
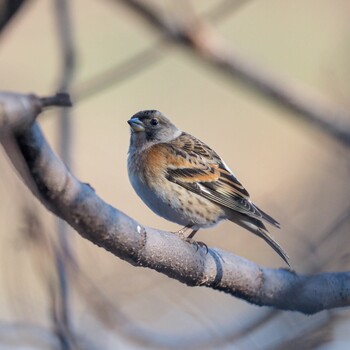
x,y
312,337
207,44
26,336
65,34
147,57
120,72
224,9
8,9
331,234
111,316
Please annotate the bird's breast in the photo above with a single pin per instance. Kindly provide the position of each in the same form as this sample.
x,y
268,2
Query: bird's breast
x,y
167,199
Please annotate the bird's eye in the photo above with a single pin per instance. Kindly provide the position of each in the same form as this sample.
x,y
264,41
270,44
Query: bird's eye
x,y
154,121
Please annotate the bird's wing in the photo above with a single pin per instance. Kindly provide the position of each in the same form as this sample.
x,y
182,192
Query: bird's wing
x,y
196,167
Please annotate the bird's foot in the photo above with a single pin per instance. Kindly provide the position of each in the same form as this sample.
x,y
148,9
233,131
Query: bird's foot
x,y
181,233
189,239
197,244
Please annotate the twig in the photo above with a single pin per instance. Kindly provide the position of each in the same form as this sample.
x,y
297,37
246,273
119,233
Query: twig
x,y
18,111
9,9
67,48
61,99
107,227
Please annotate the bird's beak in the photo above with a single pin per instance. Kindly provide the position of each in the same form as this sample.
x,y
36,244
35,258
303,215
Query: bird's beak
x,y
136,125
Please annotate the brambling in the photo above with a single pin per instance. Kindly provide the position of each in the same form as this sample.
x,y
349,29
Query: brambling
x,y
184,181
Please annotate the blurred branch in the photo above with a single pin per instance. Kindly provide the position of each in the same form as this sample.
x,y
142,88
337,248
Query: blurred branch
x,y
119,72
225,8
26,336
8,9
113,318
61,313
314,336
147,57
107,227
207,44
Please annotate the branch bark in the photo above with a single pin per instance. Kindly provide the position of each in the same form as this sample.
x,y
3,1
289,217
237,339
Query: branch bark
x,y
109,228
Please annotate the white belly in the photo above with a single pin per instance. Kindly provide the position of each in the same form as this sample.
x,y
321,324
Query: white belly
x,y
156,201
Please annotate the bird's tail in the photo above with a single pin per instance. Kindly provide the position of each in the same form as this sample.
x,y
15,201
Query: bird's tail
x,y
258,228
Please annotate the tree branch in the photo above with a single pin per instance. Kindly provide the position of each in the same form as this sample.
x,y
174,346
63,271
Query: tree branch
x,y
109,228
206,44
18,111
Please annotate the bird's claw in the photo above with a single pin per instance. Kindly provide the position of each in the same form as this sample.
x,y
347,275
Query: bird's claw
x,y
180,234
197,244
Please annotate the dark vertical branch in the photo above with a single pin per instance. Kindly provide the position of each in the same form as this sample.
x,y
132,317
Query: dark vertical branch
x,y
65,34
8,9
67,49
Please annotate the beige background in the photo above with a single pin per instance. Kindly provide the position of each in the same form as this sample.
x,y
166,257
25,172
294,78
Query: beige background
x,y
293,172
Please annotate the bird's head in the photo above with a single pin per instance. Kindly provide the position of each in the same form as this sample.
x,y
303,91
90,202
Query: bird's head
x,y
151,127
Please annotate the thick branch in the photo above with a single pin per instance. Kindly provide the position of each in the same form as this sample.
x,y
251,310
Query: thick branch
x,y
78,204
205,43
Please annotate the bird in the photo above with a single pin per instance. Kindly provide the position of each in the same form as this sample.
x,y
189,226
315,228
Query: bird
x,y
183,180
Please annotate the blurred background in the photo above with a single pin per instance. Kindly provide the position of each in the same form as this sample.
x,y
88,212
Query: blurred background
x,y
57,290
